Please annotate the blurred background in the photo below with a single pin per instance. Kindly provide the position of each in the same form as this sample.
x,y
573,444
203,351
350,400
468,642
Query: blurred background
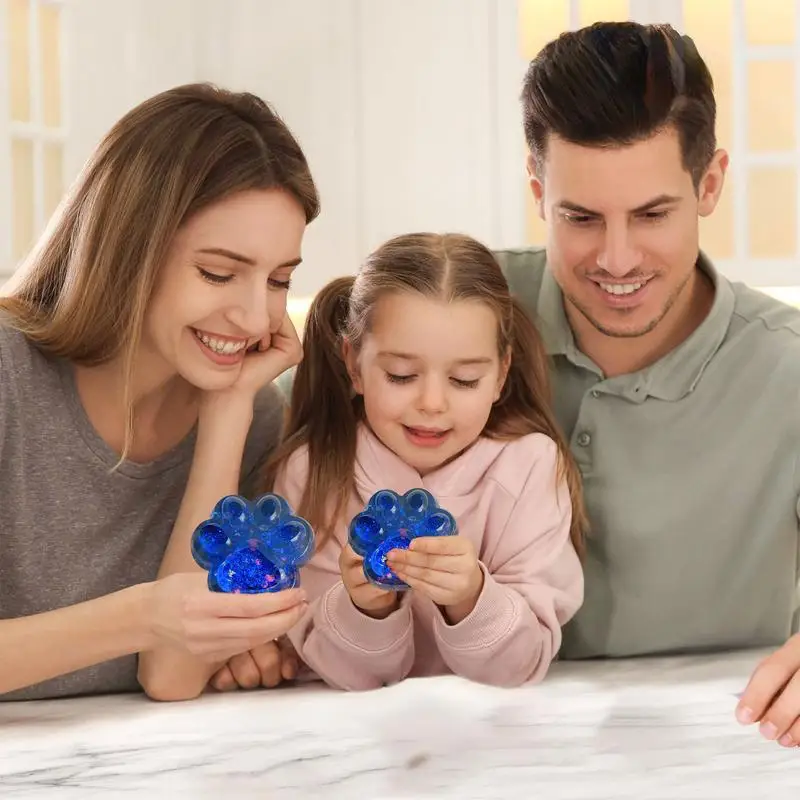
x,y
408,111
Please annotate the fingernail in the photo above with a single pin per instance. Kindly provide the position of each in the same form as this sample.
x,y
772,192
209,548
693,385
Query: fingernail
x,y
768,730
745,715
786,740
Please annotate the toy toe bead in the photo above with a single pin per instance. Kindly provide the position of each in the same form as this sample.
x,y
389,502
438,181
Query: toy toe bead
x,y
252,547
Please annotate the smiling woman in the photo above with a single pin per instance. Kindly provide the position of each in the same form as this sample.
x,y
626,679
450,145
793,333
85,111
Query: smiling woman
x,y
138,343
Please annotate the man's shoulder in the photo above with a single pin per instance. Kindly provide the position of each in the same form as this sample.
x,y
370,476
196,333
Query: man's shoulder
x,y
775,324
524,269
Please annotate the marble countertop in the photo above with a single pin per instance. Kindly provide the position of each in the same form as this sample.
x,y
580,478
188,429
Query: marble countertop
x,y
646,729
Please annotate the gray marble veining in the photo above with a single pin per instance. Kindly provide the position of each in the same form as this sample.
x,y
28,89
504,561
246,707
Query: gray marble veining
x,y
646,729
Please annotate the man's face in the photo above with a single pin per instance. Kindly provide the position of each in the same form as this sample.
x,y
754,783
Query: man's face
x,y
622,228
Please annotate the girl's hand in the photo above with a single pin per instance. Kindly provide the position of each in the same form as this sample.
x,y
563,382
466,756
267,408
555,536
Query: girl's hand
x,y
213,626
266,665
368,598
443,568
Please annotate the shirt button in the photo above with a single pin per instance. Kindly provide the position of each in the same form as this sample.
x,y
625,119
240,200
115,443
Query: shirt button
x,y
584,439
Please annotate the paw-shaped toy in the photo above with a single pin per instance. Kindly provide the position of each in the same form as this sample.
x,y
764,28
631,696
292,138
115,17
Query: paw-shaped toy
x,y
389,522
252,547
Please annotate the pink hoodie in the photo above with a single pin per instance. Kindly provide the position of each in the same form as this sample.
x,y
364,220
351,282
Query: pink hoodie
x,y
505,498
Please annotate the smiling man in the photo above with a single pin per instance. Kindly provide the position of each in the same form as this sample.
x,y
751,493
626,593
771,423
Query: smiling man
x,y
679,390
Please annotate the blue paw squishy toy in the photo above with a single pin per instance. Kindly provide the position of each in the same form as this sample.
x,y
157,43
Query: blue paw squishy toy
x,y
250,547
390,522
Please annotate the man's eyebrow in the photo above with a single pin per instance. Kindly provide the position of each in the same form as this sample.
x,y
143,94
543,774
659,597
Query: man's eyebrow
x,y
661,200
242,259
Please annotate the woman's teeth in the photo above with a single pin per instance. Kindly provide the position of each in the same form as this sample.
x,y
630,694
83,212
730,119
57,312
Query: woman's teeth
x,y
621,288
224,347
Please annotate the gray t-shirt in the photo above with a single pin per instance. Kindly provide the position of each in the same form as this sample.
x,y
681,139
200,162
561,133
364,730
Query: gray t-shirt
x,y
72,529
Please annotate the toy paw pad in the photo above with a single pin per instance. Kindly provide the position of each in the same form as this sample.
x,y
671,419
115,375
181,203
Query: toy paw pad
x,y
389,522
252,547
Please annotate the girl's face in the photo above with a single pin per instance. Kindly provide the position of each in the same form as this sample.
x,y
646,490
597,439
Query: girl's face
x,y
223,287
429,372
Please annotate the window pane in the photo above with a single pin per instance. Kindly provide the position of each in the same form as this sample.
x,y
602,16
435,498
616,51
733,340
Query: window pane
x,y
22,192
591,11
50,51
772,211
770,112
19,59
710,26
541,21
768,21
53,177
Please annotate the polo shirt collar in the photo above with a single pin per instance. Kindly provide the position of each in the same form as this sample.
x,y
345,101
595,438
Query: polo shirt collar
x,y
671,377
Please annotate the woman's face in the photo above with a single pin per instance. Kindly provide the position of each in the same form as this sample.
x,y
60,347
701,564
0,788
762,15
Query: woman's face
x,y
223,287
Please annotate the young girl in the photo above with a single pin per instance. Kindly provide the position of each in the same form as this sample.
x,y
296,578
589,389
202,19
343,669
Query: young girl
x,y
422,371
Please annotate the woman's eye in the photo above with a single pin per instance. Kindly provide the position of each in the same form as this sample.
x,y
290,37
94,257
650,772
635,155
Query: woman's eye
x,y
213,277
282,285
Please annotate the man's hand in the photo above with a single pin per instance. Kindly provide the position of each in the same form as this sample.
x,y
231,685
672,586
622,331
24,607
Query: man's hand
x,y
772,696
267,665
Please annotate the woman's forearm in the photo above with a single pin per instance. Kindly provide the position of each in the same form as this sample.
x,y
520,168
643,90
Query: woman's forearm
x,y
165,672
43,646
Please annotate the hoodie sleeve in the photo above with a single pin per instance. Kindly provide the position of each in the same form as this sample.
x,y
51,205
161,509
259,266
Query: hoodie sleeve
x,y
344,647
533,580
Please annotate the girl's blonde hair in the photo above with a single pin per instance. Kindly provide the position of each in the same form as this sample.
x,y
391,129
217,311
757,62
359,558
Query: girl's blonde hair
x,y
83,291
324,413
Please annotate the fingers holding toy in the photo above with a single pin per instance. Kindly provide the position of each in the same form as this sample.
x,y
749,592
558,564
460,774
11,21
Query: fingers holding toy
x,y
772,696
444,568
366,596
216,626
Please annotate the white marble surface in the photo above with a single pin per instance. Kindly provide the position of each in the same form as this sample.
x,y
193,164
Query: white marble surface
x,y
647,729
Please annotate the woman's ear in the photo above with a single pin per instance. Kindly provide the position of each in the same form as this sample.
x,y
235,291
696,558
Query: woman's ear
x,y
351,362
505,365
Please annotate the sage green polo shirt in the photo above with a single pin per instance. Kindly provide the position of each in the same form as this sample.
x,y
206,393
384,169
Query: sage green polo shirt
x,y
690,472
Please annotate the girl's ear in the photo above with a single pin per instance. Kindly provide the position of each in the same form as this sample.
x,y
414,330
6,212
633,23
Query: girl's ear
x,y
351,362
505,365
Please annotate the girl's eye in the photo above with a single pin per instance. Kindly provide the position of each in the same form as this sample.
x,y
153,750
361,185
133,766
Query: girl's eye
x,y
466,384
213,277
282,285
399,378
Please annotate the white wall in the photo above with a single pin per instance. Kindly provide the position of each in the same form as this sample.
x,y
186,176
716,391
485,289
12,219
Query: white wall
x,y
408,111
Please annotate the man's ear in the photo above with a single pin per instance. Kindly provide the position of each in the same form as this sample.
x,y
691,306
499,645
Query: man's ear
x,y
351,362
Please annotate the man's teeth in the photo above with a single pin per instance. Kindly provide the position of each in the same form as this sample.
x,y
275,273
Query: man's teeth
x,y
621,288
224,347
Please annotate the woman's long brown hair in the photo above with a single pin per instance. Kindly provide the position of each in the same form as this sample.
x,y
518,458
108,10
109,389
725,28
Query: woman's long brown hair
x,y
84,289
324,412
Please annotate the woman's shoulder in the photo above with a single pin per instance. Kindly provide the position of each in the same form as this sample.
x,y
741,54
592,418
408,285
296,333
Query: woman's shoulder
x,y
22,360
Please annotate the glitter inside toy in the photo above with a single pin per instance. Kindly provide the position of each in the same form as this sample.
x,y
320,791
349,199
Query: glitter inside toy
x,y
250,547
390,522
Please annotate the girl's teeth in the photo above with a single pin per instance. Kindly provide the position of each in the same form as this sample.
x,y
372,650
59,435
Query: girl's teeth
x,y
621,288
222,346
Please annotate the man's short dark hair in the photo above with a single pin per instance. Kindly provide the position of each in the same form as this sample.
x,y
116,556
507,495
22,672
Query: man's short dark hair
x,y
616,83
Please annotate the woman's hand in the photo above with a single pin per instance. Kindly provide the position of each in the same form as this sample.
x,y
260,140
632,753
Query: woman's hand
x,y
214,626
276,353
